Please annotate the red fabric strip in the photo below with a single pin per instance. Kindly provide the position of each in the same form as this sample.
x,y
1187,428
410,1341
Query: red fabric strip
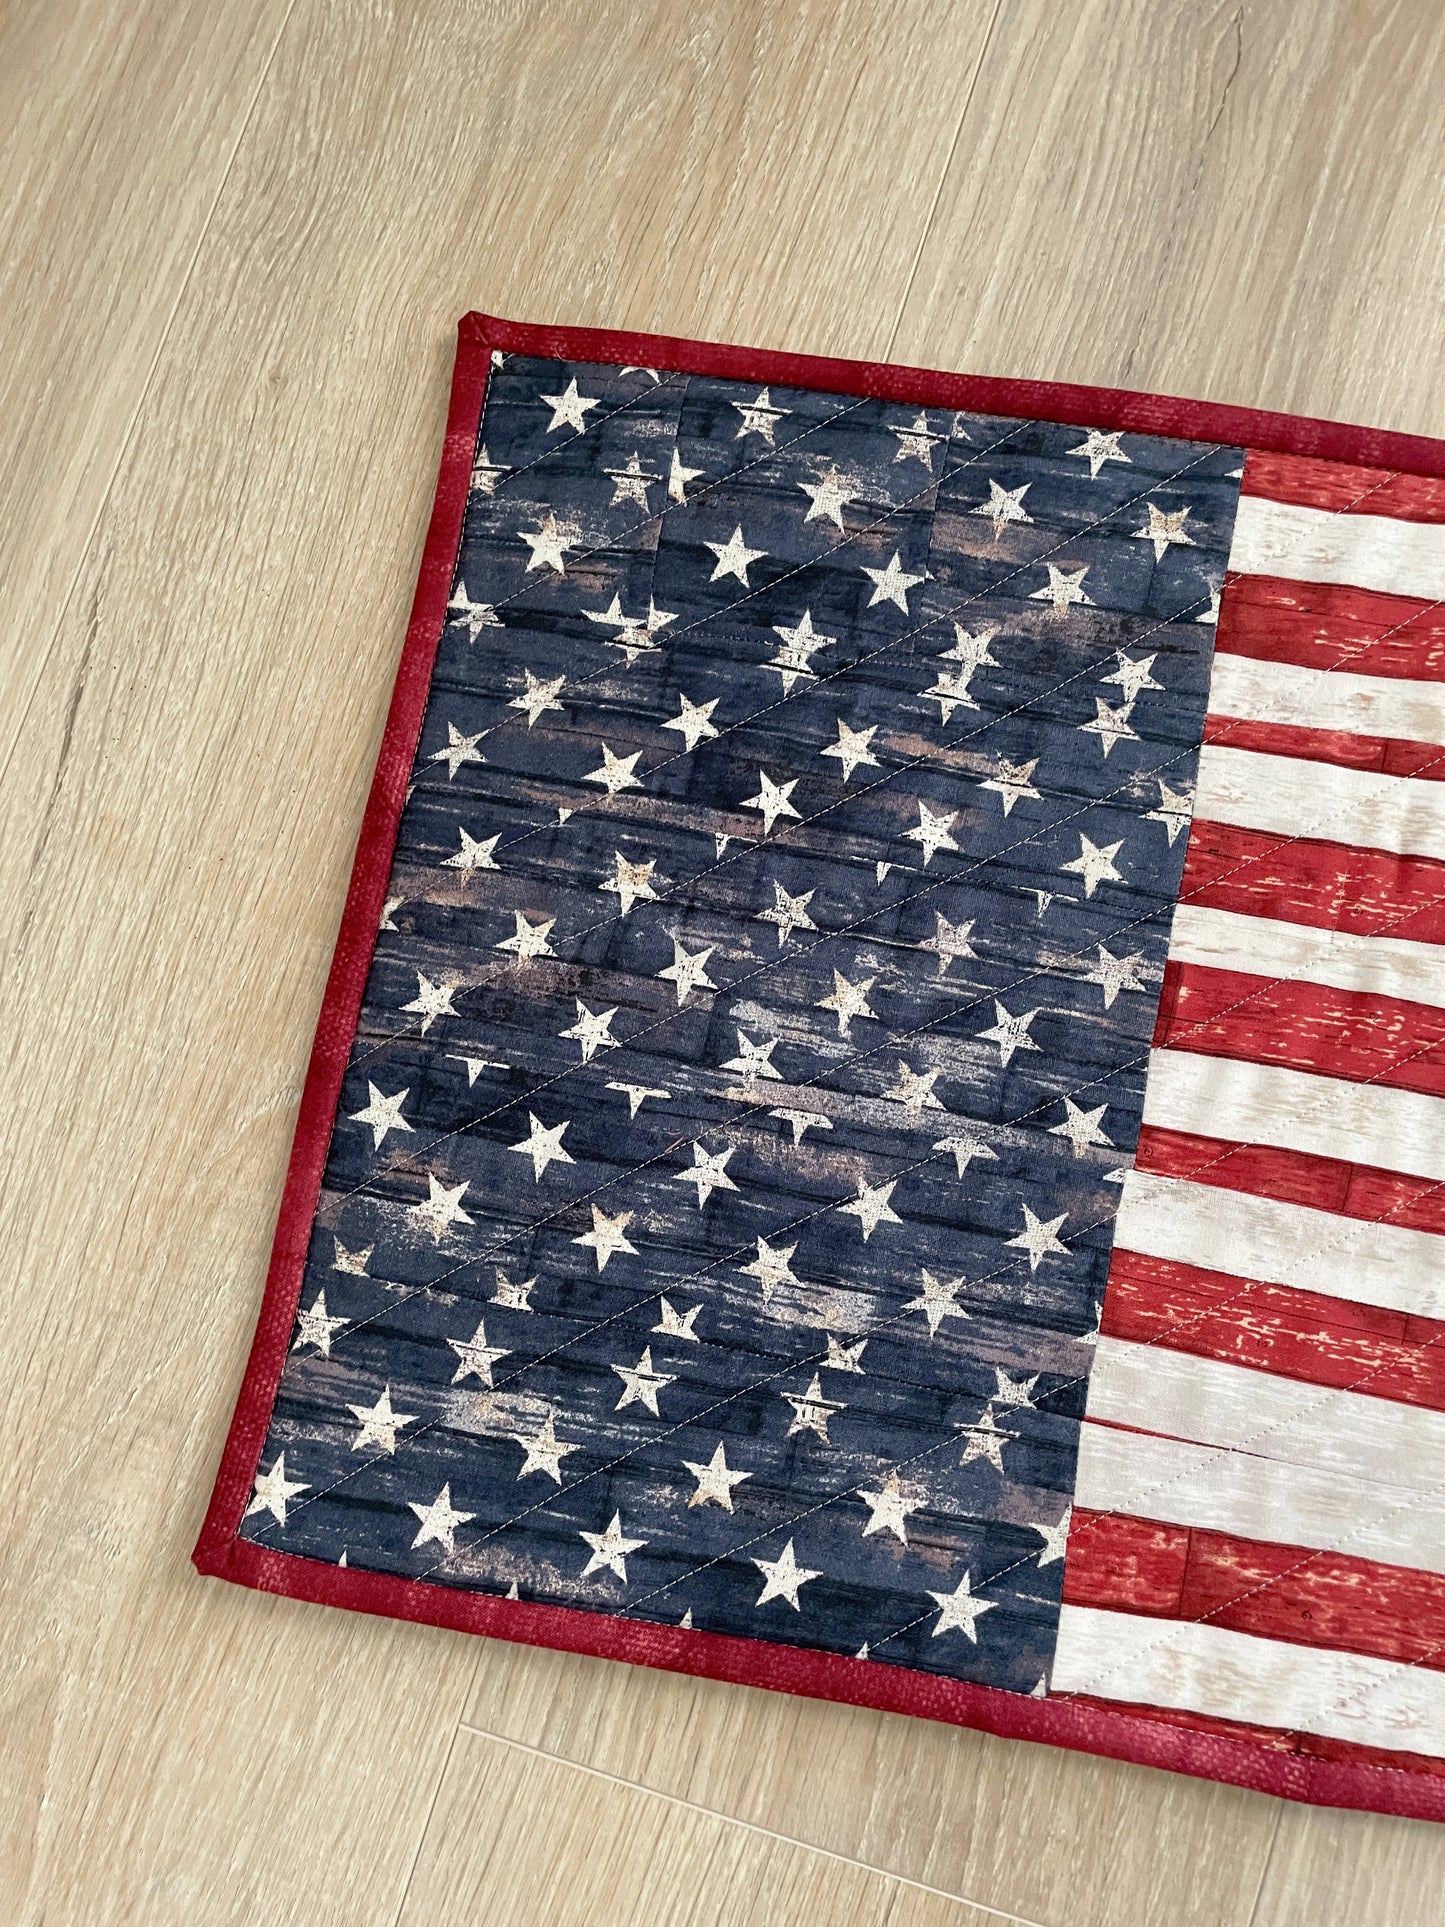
x,y
1389,755
1353,1034
1323,625
1343,487
1295,1177
1296,1334
1333,886
1249,1586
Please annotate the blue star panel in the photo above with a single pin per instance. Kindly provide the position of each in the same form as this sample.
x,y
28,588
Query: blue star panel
x,y
717,1216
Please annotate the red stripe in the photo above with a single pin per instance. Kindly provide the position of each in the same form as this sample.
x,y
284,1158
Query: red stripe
x,y
1332,886
1296,1334
1291,1593
1354,1034
1343,488
1295,1177
1390,755
1325,625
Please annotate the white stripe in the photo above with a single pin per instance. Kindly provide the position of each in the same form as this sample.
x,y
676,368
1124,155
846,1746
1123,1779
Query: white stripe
x,y
1199,1668
1299,953
1318,545
1282,1244
1328,1117
1289,796
1209,1402
1215,1490
1280,692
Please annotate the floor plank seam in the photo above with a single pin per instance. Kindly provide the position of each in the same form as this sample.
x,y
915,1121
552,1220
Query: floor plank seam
x,y
421,1832
748,1826
1264,1869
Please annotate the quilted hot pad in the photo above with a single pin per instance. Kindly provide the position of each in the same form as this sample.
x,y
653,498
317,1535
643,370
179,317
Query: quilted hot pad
x,y
878,1125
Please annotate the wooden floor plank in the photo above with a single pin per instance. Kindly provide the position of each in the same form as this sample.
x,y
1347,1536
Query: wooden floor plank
x,y
1352,1870
520,1838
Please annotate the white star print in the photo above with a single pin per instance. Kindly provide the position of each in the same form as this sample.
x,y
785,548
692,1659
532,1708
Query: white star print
x,y
635,633
771,1268
760,417
439,1521
1013,781
1055,1538
1064,588
676,1324
888,1509
476,1065
1009,1033
788,913
914,1090
473,854
678,478
938,1300
630,882
460,749
1099,447
486,473
934,832
549,544
610,1549
608,1235
1039,1238
1016,1392
708,1173
971,650
852,748
965,1149
985,1440
592,1030
753,1060
829,495
1176,808
432,1000
802,1121
772,801
543,1146
688,972
569,409
1116,974
383,1114
715,1480
871,1207
1133,675
782,1577
1109,725
1004,505
734,557
615,772
637,1095
811,1411
848,1001
844,1358
1163,528
516,1297
692,721
441,1208
389,910
313,1327
1081,1127
949,940
538,697
379,1423
799,643
1095,865
959,1609
272,1491
641,1384
915,443
354,1262
530,939
544,1450
630,484
476,615
950,692
1211,614
892,584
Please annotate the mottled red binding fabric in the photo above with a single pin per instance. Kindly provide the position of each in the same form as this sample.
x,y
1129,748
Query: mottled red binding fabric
x,y
1368,622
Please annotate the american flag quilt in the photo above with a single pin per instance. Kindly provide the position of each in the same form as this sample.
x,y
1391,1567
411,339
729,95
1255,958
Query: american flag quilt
x,y
878,1125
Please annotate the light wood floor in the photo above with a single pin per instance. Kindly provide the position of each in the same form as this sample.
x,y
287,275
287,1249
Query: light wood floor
x,y
236,237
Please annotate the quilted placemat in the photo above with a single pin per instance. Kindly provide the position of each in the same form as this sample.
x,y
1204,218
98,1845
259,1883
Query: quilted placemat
x,y
878,1123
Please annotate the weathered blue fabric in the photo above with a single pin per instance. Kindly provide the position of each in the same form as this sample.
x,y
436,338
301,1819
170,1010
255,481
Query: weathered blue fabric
x,y
904,1406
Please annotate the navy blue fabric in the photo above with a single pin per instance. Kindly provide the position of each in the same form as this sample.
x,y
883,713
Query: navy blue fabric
x,y
954,1403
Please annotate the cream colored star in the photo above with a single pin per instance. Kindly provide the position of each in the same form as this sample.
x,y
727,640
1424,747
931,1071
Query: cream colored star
x,y
848,1001
383,1114
800,642
692,721
530,939
439,1521
432,1001
888,1508
734,557
1004,505
771,1268
543,1146
949,941
760,417
1038,1238
610,1549
782,1578
569,409
1009,1033
828,497
715,1480
1116,973
1110,725
474,854
273,1490
641,1384
938,1300
549,544
1013,781
934,832
607,1236
538,697
1175,811
459,749
1081,1127
871,1207
960,1610
1132,675
379,1423
1064,588
630,882
852,748
788,913
1094,864
1163,528
313,1327
772,801
688,971
753,1060
811,1411
592,1030
544,1450
892,584
1099,448
630,484
914,1090
678,478
441,1208
708,1172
